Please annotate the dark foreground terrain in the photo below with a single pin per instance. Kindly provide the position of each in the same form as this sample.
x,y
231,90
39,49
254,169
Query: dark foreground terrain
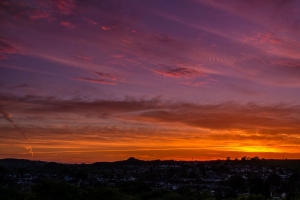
x,y
133,179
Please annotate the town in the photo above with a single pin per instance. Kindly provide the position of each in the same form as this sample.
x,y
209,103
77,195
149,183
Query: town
x,y
245,178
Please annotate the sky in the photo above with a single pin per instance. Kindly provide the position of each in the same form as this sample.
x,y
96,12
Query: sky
x,y
88,81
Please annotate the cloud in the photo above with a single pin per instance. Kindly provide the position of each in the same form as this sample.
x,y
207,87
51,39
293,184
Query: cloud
x,y
19,86
263,38
178,72
29,10
244,90
194,84
82,57
91,22
105,28
6,48
38,14
272,118
117,56
65,7
267,13
132,124
27,69
105,78
163,39
101,81
287,63
8,117
67,24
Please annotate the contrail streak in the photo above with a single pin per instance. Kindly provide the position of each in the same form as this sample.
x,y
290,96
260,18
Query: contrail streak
x,y
8,117
30,150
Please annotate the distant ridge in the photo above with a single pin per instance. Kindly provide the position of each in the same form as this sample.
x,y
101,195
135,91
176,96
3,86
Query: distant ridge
x,y
135,161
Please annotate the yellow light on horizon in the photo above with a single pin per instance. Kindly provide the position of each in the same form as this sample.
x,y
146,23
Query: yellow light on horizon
x,y
257,148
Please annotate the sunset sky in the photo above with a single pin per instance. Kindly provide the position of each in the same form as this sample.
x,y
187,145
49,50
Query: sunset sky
x,y
87,81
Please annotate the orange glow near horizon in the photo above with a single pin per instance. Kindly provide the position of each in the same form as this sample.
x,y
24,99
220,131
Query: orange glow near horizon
x,y
90,148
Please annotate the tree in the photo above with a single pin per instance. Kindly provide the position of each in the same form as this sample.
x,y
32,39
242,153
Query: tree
x,y
244,158
256,197
237,182
134,187
255,158
272,180
256,185
50,189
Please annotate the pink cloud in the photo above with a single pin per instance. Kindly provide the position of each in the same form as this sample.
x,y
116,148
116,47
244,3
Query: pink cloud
x,y
86,58
6,48
105,28
104,78
92,23
195,84
117,56
106,75
67,24
263,38
276,43
286,63
101,81
66,7
37,14
3,57
178,72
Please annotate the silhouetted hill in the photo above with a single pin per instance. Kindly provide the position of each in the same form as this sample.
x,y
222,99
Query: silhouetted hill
x,y
7,162
21,162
